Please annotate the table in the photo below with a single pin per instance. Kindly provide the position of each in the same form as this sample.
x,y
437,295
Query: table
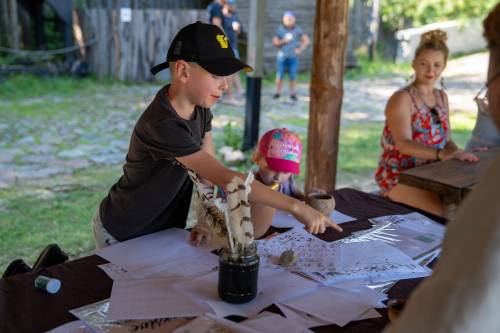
x,y
452,179
23,308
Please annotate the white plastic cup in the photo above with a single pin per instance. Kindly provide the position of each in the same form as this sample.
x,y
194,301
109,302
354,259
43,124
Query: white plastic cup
x,y
50,285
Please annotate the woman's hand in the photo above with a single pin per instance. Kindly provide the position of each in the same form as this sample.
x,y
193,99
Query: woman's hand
x,y
315,222
459,154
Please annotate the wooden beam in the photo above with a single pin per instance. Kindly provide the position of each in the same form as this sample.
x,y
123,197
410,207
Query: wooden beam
x,y
255,58
14,25
326,91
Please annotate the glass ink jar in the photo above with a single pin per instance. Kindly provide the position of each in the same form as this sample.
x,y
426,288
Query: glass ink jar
x,y
238,275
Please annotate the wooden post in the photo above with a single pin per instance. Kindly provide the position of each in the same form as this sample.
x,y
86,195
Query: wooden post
x,y
374,27
14,25
255,58
326,90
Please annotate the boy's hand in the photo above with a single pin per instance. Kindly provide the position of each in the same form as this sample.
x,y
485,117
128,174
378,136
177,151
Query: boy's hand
x,y
315,222
200,237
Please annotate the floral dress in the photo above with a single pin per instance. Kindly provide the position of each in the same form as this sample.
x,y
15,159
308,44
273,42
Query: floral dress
x,y
429,127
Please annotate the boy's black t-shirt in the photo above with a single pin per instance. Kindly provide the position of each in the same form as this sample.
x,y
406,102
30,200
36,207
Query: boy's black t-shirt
x,y
154,192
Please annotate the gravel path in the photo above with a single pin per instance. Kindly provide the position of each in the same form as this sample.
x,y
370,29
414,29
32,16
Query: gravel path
x,y
37,143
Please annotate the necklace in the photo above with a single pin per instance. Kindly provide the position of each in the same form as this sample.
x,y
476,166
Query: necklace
x,y
423,100
434,112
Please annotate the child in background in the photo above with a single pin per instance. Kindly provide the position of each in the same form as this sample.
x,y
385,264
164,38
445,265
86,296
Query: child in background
x,y
278,156
291,41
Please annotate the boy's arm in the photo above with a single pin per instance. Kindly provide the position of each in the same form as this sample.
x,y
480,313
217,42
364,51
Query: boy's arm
x,y
209,168
208,144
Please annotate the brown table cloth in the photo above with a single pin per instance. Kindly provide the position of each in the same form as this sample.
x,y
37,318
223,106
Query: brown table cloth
x,y
23,308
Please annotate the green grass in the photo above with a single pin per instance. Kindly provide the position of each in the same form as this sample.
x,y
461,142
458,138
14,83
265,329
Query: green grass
x,y
20,87
379,68
59,211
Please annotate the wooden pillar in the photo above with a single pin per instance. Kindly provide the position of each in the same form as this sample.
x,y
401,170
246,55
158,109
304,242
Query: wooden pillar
x,y
39,24
326,90
255,58
4,23
14,25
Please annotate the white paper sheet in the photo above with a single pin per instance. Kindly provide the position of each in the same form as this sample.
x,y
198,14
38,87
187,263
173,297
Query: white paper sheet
x,y
283,219
173,270
415,234
376,261
149,299
370,262
372,313
273,286
211,323
142,253
115,272
274,323
76,326
331,304
313,253
95,315
300,318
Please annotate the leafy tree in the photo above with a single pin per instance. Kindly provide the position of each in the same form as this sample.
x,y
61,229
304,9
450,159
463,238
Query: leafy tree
x,y
398,14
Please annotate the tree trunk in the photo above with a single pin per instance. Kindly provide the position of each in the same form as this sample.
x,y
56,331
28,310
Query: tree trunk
x,y
373,27
326,90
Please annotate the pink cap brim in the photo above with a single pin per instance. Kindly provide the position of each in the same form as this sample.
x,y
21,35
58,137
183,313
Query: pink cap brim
x,y
279,165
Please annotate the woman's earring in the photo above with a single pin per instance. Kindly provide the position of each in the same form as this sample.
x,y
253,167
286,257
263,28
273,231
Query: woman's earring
x,y
410,79
442,83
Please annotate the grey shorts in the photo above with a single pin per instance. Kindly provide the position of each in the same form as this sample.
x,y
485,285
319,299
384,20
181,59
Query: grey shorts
x,y
102,238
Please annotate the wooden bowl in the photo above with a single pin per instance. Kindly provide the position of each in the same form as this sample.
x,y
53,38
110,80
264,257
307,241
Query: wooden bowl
x,y
321,201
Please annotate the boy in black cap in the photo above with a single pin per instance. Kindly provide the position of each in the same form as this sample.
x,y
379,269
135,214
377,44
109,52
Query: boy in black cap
x,y
173,135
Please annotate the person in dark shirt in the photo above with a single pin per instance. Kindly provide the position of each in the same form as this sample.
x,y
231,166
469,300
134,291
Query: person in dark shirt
x,y
173,135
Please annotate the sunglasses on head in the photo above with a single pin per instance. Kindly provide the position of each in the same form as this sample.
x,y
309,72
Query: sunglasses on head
x,y
435,116
484,89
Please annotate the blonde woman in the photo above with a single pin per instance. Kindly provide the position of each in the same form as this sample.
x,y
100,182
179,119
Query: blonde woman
x,y
417,129
463,293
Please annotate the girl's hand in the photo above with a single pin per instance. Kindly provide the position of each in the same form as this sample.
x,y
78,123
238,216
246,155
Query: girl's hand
x,y
458,154
315,222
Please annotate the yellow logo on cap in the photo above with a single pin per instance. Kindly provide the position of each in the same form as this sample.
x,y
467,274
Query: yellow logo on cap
x,y
222,41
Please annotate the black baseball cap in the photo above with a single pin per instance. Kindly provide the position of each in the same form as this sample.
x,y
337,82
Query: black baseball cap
x,y
208,46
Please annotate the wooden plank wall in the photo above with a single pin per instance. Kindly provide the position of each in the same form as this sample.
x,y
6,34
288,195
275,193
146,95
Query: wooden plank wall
x,y
127,50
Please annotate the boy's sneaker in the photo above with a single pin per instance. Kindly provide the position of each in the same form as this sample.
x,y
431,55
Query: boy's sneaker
x,y
293,97
276,96
51,255
18,266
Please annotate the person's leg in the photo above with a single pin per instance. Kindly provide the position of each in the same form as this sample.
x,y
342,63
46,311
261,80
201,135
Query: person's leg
x,y
418,198
293,67
237,84
262,217
236,77
280,72
102,238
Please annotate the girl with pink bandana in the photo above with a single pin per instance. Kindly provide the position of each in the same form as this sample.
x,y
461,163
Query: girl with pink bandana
x,y
278,156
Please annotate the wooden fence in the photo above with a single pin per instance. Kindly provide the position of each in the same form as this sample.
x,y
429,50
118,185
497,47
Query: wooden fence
x,y
129,44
